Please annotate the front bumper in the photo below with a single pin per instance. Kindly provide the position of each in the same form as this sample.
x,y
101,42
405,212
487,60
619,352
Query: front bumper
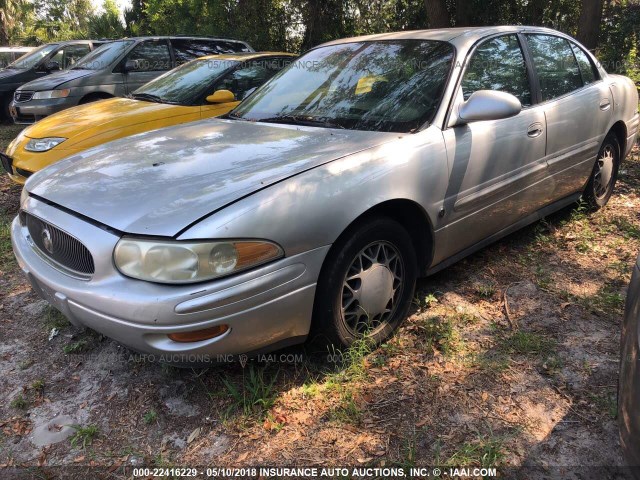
x,y
34,110
265,307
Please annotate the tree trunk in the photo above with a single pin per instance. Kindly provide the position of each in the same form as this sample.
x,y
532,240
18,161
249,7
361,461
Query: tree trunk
x,y
437,13
463,13
536,12
589,23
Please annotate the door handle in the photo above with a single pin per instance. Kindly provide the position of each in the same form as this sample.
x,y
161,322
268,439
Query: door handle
x,y
605,104
534,130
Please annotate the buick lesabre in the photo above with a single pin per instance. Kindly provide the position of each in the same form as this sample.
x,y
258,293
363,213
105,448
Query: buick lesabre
x,y
311,210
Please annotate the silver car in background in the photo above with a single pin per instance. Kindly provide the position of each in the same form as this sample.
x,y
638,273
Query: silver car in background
x,y
312,208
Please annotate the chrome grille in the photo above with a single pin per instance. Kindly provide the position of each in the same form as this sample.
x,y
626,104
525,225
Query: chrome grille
x,y
23,95
59,246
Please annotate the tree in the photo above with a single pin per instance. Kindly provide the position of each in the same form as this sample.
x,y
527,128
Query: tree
x,y
437,13
10,11
106,24
589,23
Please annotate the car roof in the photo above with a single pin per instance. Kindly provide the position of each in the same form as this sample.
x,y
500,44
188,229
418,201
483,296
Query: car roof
x,y
182,37
246,56
460,36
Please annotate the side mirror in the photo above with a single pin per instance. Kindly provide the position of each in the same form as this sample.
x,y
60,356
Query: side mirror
x,y
51,66
488,105
131,65
221,96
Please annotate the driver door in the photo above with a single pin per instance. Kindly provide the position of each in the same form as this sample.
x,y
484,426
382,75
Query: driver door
x,y
497,169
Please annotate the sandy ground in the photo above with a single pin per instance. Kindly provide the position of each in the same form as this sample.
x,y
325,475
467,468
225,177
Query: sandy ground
x,y
509,359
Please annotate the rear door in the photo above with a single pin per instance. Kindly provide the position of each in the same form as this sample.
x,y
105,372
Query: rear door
x,y
577,105
497,167
152,58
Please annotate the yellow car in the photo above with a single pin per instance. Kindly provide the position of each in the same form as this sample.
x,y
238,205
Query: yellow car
x,y
206,87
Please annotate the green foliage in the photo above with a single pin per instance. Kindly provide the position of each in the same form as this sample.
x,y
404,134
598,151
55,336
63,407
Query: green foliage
x,y
257,393
296,25
84,436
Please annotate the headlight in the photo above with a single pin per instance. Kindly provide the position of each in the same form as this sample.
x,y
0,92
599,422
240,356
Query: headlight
x,y
43,144
188,262
62,93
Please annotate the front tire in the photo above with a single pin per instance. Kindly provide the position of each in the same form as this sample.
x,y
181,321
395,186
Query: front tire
x,y
366,285
605,173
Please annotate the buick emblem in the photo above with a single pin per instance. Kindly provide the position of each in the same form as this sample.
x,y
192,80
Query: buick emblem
x,y
47,242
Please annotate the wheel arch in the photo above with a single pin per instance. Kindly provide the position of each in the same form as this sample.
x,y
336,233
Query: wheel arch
x,y
619,129
94,96
412,217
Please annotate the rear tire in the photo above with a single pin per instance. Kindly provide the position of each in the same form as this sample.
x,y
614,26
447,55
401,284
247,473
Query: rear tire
x,y
366,285
605,173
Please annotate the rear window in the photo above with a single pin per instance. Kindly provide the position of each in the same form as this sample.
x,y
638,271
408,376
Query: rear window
x,y
186,49
555,64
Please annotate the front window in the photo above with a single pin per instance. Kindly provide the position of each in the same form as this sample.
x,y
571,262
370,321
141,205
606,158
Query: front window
x,y
32,59
185,83
498,64
104,56
393,86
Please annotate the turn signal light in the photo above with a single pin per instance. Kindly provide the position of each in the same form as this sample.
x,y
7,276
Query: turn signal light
x,y
199,335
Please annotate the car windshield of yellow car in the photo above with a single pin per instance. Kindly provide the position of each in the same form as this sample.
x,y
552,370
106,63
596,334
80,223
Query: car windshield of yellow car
x,y
393,86
185,84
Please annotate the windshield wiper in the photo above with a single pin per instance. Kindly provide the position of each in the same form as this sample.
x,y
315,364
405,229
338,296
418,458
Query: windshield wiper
x,y
147,96
235,116
301,120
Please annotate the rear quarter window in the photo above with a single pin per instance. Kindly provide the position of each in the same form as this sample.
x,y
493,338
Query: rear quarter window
x,y
587,68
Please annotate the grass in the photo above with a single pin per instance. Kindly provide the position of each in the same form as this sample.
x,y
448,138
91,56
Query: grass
x,y
526,343
19,403
54,319
485,290
76,347
441,333
482,452
255,395
150,416
347,410
84,436
38,385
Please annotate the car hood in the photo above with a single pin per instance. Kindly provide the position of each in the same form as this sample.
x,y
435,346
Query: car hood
x,y
9,72
49,82
158,183
81,123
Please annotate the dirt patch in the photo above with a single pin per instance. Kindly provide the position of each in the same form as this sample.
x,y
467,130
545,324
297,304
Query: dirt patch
x,y
509,358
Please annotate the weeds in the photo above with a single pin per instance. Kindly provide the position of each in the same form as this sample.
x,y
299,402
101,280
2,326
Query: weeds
x,y
19,403
256,395
76,347
150,416
84,436
527,343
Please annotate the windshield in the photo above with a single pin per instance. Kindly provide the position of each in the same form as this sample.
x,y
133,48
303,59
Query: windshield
x,y
103,56
185,83
392,86
31,59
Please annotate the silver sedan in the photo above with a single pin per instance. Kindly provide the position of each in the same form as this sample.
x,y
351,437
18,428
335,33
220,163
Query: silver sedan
x,y
311,210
